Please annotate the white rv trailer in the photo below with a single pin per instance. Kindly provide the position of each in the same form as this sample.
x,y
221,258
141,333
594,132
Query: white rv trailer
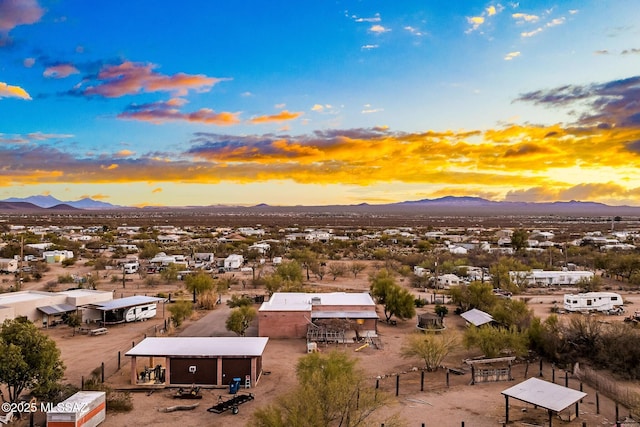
x,y
593,301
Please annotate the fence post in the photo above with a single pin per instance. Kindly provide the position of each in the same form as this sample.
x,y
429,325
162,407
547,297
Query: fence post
x,y
102,372
82,382
422,382
597,403
397,384
118,360
617,413
133,344
540,375
447,378
553,374
566,379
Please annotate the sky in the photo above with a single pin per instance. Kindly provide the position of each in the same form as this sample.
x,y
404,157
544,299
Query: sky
x,y
204,102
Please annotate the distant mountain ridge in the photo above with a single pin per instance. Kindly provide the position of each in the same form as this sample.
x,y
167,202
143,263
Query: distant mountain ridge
x,y
448,205
50,202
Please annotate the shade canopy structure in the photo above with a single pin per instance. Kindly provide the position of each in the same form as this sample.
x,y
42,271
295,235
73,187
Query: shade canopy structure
x,y
57,309
547,395
477,317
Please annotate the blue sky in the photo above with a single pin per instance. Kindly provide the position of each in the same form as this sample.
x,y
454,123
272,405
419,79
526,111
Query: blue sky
x,y
205,102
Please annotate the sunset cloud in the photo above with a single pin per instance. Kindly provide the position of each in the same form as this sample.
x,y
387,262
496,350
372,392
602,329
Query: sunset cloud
x,y
8,91
378,29
129,78
282,116
164,111
17,12
579,160
610,104
60,71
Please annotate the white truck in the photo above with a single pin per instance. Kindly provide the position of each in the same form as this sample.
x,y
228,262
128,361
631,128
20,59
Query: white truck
x,y
603,302
131,267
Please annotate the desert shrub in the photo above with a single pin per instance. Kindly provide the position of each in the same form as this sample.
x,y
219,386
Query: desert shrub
x,y
65,278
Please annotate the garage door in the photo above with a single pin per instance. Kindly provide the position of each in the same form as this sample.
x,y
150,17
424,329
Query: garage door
x,y
193,371
235,368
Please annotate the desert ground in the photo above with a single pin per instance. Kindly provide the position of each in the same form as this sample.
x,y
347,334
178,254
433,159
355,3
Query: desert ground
x,y
476,405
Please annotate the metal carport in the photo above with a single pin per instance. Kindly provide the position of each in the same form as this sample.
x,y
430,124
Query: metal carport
x,y
550,396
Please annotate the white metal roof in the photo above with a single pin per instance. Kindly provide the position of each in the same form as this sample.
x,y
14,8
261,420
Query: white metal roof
x,y
22,296
321,314
57,309
82,292
477,317
200,346
126,302
545,394
301,301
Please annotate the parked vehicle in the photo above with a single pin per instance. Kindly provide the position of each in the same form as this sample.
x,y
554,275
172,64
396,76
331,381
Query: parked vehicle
x,y
604,302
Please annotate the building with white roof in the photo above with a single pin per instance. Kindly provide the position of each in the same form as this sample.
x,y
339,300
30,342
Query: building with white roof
x,y
295,314
201,361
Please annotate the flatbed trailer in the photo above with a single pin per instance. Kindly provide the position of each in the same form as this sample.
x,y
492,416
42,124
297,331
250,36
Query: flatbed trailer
x,y
231,403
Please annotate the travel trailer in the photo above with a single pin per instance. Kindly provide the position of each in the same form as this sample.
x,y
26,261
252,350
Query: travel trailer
x,y
608,302
131,267
8,265
140,312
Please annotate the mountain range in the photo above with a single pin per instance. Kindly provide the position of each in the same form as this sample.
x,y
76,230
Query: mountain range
x,y
449,205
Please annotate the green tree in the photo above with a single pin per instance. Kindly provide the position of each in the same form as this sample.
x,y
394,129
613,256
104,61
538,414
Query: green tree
x,y
198,283
180,310
290,272
337,270
240,319
74,320
431,348
477,295
519,240
399,303
396,300
493,341
509,312
590,285
170,273
331,391
356,268
28,359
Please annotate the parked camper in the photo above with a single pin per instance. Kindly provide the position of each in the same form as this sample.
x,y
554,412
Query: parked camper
x,y
605,302
140,312
131,267
8,265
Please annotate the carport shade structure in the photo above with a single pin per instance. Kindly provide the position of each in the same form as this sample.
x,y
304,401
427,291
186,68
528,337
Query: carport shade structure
x,y
552,397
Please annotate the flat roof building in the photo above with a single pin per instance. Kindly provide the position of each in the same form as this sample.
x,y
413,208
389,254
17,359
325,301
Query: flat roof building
x,y
199,360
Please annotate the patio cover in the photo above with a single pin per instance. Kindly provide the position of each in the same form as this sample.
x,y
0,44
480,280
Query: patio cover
x,y
57,309
477,317
550,396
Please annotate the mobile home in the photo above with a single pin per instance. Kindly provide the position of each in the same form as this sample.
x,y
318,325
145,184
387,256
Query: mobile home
x,y
593,301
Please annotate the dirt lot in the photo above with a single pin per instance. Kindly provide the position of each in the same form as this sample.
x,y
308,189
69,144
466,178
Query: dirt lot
x,y
438,405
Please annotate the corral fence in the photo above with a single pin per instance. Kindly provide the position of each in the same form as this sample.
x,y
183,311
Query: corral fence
x,y
626,396
114,362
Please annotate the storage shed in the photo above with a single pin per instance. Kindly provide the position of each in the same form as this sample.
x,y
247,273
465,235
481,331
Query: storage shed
x,y
185,361
85,408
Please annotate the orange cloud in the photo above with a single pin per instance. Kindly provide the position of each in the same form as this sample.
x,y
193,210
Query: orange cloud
x,y
521,162
95,196
160,112
131,78
8,91
282,116
60,71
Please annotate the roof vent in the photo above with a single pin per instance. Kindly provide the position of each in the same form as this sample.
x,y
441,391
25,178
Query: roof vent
x,y
315,301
